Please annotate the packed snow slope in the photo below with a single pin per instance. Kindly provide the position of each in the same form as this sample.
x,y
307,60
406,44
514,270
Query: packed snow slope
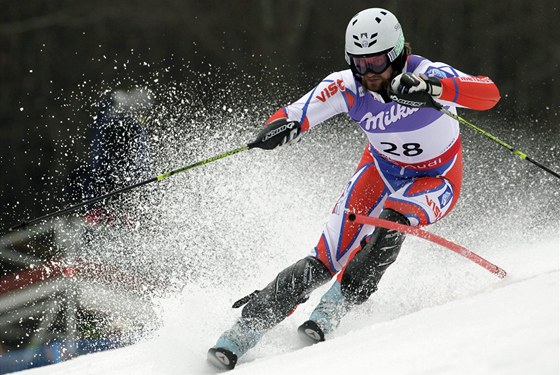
x,y
218,232
506,327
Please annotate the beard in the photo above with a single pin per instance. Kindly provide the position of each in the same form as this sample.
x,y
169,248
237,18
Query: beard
x,y
376,84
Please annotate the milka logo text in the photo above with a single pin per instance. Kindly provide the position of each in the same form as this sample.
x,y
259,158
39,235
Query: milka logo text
x,y
383,119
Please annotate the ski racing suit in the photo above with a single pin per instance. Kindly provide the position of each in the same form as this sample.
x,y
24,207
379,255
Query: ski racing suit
x,y
410,172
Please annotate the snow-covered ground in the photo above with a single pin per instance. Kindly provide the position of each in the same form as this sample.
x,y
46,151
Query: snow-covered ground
x,y
500,327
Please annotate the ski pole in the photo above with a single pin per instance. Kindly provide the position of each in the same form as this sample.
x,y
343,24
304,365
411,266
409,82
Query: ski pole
x,y
361,219
160,177
267,139
495,139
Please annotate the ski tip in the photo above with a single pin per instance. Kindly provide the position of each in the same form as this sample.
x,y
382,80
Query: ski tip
x,y
222,358
501,273
311,333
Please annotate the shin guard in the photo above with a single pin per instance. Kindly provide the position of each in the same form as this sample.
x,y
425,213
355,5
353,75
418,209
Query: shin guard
x,y
278,299
365,269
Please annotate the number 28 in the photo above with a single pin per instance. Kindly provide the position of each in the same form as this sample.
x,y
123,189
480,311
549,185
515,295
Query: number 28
x,y
408,149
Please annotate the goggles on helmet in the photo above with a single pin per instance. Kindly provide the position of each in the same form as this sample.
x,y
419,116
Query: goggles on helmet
x,y
376,63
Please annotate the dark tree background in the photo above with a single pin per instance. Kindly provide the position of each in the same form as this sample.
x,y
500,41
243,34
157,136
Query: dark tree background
x,y
56,55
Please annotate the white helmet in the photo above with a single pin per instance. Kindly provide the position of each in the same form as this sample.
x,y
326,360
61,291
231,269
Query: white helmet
x,y
377,32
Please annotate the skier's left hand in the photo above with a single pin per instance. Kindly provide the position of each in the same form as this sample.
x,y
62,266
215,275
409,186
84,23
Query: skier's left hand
x,y
415,91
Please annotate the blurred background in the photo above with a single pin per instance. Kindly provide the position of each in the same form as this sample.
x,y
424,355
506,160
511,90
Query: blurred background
x,y
58,58
189,79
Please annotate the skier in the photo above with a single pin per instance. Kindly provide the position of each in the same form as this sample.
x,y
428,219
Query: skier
x,y
410,173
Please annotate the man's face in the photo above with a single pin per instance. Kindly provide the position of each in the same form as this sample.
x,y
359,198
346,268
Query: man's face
x,y
377,82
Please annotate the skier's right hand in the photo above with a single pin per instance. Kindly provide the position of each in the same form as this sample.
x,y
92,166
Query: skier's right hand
x,y
415,90
279,132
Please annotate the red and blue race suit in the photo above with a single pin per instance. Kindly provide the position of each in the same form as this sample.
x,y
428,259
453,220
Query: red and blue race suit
x,y
413,161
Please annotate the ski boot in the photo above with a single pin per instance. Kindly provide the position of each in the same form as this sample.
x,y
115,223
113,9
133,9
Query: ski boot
x,y
233,344
266,308
326,316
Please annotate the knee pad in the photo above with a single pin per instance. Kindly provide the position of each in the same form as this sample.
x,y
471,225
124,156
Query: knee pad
x,y
365,269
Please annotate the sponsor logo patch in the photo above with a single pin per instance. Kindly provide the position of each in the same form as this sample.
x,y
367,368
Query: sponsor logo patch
x,y
331,90
445,198
435,72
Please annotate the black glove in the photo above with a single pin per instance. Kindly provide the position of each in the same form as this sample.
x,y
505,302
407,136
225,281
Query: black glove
x,y
279,132
415,91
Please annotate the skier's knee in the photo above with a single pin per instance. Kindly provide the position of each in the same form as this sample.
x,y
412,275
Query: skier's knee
x,y
365,269
300,278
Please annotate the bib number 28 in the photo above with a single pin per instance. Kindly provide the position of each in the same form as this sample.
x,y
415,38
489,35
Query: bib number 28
x,y
407,149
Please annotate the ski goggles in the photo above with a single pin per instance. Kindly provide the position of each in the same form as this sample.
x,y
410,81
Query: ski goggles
x,y
376,64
